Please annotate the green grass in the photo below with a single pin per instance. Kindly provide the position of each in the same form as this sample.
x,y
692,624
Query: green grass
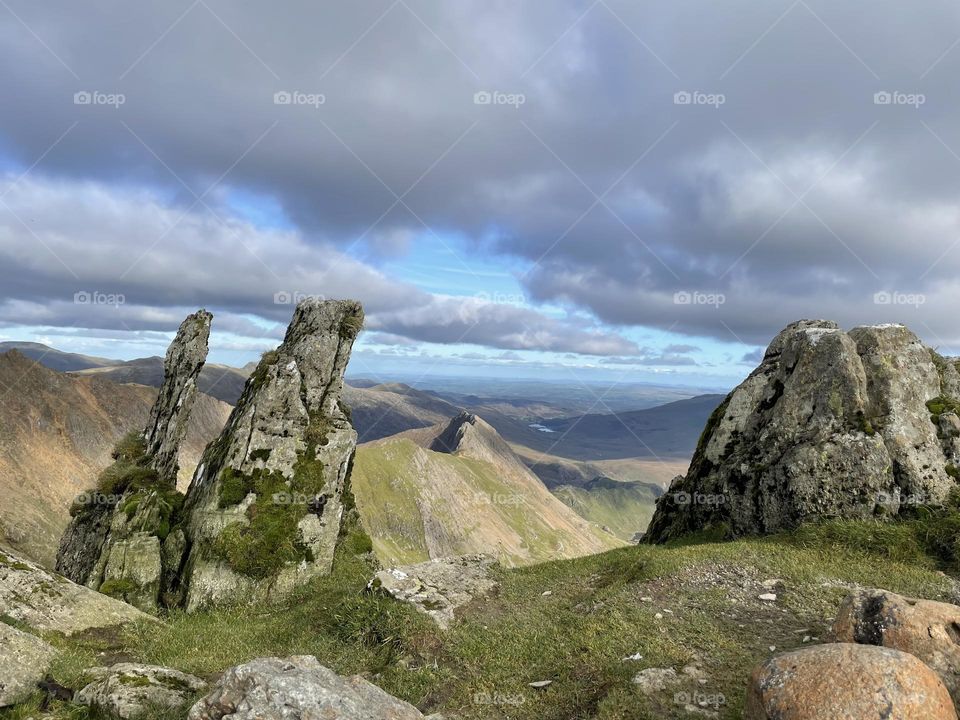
x,y
577,636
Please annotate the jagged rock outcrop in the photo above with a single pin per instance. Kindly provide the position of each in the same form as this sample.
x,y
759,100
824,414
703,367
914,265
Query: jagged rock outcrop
x,y
264,511
170,415
297,687
832,424
113,542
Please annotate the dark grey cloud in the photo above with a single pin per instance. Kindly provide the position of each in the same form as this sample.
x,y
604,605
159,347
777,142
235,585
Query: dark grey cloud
x,y
798,196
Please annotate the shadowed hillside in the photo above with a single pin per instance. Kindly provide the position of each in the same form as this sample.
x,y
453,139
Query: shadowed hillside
x,y
58,431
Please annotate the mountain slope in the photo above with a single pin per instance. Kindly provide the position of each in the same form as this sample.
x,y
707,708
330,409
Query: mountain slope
x,y
667,431
55,359
625,508
459,489
58,431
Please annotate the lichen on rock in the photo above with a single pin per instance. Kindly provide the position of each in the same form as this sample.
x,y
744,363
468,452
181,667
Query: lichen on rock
x,y
114,540
265,507
832,424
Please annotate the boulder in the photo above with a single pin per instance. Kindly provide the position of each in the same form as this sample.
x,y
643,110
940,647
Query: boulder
x,y
294,688
438,587
49,602
846,682
24,659
265,507
830,425
129,691
926,629
113,541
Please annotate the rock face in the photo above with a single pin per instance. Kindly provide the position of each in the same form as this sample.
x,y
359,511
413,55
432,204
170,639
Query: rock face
x,y
24,659
831,424
846,682
926,629
129,691
51,603
297,687
265,507
438,587
113,542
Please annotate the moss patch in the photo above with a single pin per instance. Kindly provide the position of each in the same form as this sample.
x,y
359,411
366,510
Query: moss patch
x,y
940,405
270,539
120,589
351,325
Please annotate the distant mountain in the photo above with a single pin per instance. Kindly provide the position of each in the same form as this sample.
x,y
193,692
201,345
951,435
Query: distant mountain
x,y
457,488
223,382
55,359
666,432
557,471
379,411
58,431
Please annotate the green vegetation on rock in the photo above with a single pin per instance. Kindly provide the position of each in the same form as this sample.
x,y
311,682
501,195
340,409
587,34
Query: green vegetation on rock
x,y
940,405
260,547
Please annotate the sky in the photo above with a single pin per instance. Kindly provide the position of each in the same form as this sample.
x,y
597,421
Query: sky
x,y
598,189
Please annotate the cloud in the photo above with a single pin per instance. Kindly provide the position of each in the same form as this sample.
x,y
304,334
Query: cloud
x,y
798,196
94,256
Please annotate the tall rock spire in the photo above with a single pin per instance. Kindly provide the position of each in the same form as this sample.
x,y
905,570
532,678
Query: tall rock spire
x,y
113,542
170,414
264,510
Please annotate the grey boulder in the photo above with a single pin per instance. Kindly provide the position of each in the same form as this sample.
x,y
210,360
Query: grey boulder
x,y
297,688
129,691
24,659
438,587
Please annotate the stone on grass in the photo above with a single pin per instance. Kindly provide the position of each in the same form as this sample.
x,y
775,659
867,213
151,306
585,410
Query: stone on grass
x,y
843,681
128,691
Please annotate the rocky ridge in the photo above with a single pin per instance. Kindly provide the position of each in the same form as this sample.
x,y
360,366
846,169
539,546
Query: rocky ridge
x,y
832,424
